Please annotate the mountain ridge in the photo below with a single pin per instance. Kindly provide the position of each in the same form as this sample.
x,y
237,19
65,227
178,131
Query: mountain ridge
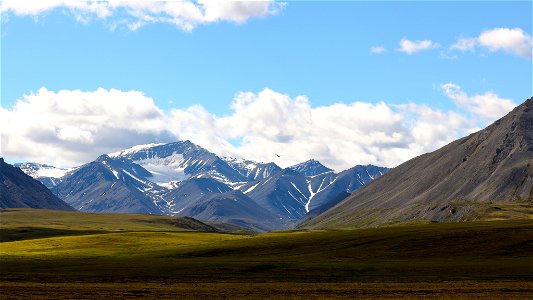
x,y
494,164
19,190
182,178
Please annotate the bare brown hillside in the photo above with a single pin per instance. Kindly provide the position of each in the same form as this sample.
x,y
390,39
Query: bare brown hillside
x,y
453,183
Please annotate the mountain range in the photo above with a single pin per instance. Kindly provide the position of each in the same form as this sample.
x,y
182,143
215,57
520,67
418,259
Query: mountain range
x,y
18,189
457,182
184,179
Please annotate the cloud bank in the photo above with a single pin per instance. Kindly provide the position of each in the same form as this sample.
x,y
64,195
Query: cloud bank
x,y
71,127
511,40
184,14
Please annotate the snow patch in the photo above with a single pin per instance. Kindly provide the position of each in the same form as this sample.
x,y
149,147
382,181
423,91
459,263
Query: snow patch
x,y
133,149
114,172
252,188
166,170
36,170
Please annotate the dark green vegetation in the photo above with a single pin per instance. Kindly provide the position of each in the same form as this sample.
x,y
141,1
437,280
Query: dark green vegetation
x,y
21,224
150,257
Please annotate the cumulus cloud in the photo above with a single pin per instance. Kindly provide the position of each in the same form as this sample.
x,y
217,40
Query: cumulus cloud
x,y
377,49
511,40
185,14
73,127
68,128
488,106
411,47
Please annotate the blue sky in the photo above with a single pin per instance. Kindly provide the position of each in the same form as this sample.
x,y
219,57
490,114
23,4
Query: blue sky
x,y
318,49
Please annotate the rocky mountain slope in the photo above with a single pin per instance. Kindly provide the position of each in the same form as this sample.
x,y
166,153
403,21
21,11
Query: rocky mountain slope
x,y
20,190
48,175
251,169
450,184
179,161
110,185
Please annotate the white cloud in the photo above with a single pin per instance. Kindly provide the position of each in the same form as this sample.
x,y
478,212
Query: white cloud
x,y
510,40
377,49
185,14
464,44
488,106
73,127
411,47
68,128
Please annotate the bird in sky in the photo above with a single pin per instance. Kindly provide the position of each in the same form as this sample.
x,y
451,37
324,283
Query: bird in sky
x,y
277,155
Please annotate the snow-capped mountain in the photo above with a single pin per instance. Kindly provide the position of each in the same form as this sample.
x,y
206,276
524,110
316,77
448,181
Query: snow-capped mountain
x,y
19,190
169,163
46,174
310,168
251,169
183,179
291,195
284,193
110,185
328,186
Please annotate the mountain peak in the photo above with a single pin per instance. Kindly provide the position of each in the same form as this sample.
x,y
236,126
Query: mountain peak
x,y
311,167
21,190
133,149
103,157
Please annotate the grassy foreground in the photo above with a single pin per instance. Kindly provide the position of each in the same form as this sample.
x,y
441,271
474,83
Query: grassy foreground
x,y
99,260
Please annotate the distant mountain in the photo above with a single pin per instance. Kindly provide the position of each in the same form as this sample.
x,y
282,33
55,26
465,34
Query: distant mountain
x,y
453,183
119,185
291,195
285,194
18,189
310,168
251,169
188,193
46,174
232,207
183,179
110,185
328,186
179,161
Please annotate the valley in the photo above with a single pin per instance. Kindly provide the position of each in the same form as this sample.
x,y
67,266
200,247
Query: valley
x,y
266,149
152,258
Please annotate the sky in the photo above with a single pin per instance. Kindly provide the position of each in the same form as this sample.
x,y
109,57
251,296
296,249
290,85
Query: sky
x,y
345,83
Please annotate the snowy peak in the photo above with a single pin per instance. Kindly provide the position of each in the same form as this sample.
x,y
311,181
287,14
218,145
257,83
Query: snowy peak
x,y
18,189
112,185
47,175
36,170
310,168
157,151
178,161
251,169
133,149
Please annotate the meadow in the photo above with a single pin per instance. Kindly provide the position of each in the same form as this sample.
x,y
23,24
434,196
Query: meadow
x,y
47,254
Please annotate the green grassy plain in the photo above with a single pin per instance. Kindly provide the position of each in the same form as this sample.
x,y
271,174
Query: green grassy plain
x,y
143,256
